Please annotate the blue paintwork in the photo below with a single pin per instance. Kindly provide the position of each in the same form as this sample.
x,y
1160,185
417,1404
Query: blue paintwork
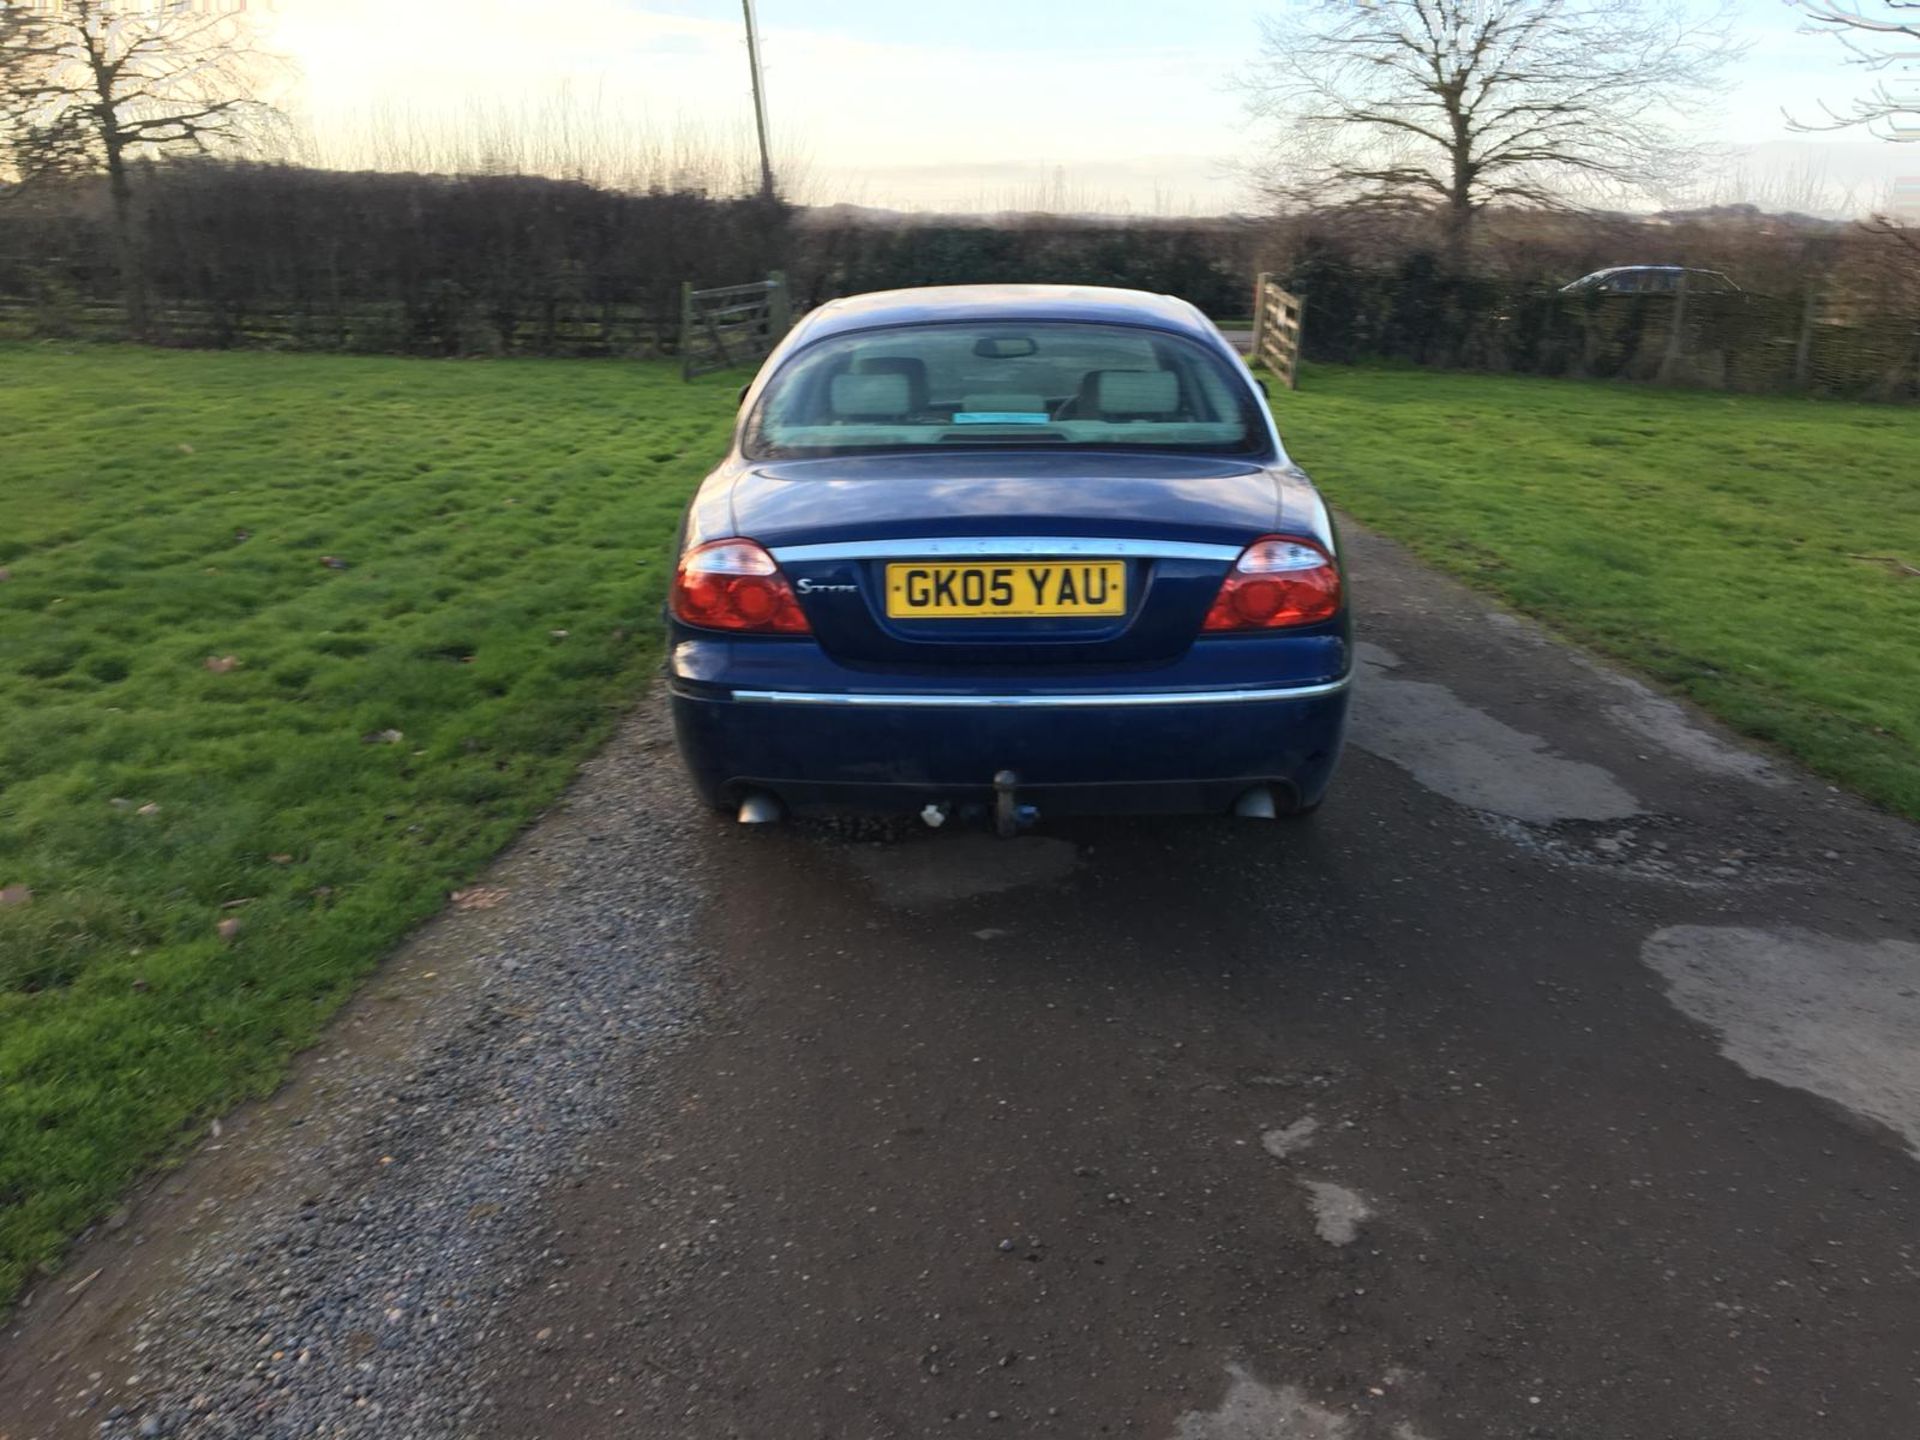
x,y
1178,757
1165,497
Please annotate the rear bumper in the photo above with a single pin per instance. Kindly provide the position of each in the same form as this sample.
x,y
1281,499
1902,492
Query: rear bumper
x,y
1137,752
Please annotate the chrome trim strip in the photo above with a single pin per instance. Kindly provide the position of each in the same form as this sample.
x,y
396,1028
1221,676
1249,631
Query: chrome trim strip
x,y
1010,545
924,701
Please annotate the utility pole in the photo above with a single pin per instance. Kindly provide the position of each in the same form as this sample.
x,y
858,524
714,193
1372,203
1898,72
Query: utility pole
x,y
759,102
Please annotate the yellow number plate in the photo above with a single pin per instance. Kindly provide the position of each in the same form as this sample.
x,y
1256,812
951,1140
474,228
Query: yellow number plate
x,y
1011,588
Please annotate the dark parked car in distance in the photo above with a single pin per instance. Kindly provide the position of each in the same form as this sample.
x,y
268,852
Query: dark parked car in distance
x,y
1651,280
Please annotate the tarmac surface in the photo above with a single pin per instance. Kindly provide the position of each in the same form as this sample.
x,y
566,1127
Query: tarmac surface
x,y
1560,1078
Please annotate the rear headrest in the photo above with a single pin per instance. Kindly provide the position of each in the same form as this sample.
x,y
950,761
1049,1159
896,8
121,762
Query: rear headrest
x,y
870,397
1136,392
911,366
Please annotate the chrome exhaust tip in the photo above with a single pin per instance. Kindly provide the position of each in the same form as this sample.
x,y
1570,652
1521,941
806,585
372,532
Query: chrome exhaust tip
x,y
759,808
1256,803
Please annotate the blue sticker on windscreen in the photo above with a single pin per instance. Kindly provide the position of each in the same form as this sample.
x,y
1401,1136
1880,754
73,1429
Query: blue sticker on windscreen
x,y
1002,417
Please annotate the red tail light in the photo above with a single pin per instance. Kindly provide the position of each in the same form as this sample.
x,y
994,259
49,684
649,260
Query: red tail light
x,y
1277,583
735,585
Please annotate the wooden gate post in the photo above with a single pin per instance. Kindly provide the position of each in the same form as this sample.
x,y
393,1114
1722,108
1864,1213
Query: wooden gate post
x,y
1279,321
1803,347
1296,338
1259,311
779,307
1676,334
686,329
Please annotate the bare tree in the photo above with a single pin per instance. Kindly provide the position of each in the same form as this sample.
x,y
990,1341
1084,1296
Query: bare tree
x,y
1881,36
87,85
1450,106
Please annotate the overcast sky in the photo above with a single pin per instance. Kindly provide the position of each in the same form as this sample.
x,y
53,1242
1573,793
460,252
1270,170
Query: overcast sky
x,y
975,104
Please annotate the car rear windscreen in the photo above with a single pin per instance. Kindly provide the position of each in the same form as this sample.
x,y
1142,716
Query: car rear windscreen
x,y
1012,385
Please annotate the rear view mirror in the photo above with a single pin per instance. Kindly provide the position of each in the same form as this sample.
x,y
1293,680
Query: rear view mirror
x,y
1004,347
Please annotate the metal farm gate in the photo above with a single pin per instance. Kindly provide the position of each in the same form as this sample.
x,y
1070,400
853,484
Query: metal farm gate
x,y
732,325
1278,321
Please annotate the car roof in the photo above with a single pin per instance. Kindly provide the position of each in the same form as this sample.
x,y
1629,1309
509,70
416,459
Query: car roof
x,y
934,303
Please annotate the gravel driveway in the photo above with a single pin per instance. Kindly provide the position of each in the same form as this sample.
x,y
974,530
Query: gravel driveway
x,y
1560,1079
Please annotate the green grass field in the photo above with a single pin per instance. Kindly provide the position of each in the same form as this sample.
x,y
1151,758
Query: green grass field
x,y
1715,542
503,528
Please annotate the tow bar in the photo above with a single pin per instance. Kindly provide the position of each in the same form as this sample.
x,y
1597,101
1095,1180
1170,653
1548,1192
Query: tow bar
x,y
1010,817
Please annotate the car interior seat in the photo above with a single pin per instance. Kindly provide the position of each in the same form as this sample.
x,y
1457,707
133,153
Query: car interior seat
x,y
911,367
1125,395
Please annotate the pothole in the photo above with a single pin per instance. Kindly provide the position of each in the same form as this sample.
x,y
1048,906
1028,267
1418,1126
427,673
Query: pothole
x,y
1650,847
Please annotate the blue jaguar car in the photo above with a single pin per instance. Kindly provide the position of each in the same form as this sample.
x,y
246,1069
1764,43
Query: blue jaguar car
x,y
1009,551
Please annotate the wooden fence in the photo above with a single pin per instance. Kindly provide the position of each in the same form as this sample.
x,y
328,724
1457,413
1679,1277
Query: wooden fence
x,y
444,325
1827,338
732,325
1278,323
